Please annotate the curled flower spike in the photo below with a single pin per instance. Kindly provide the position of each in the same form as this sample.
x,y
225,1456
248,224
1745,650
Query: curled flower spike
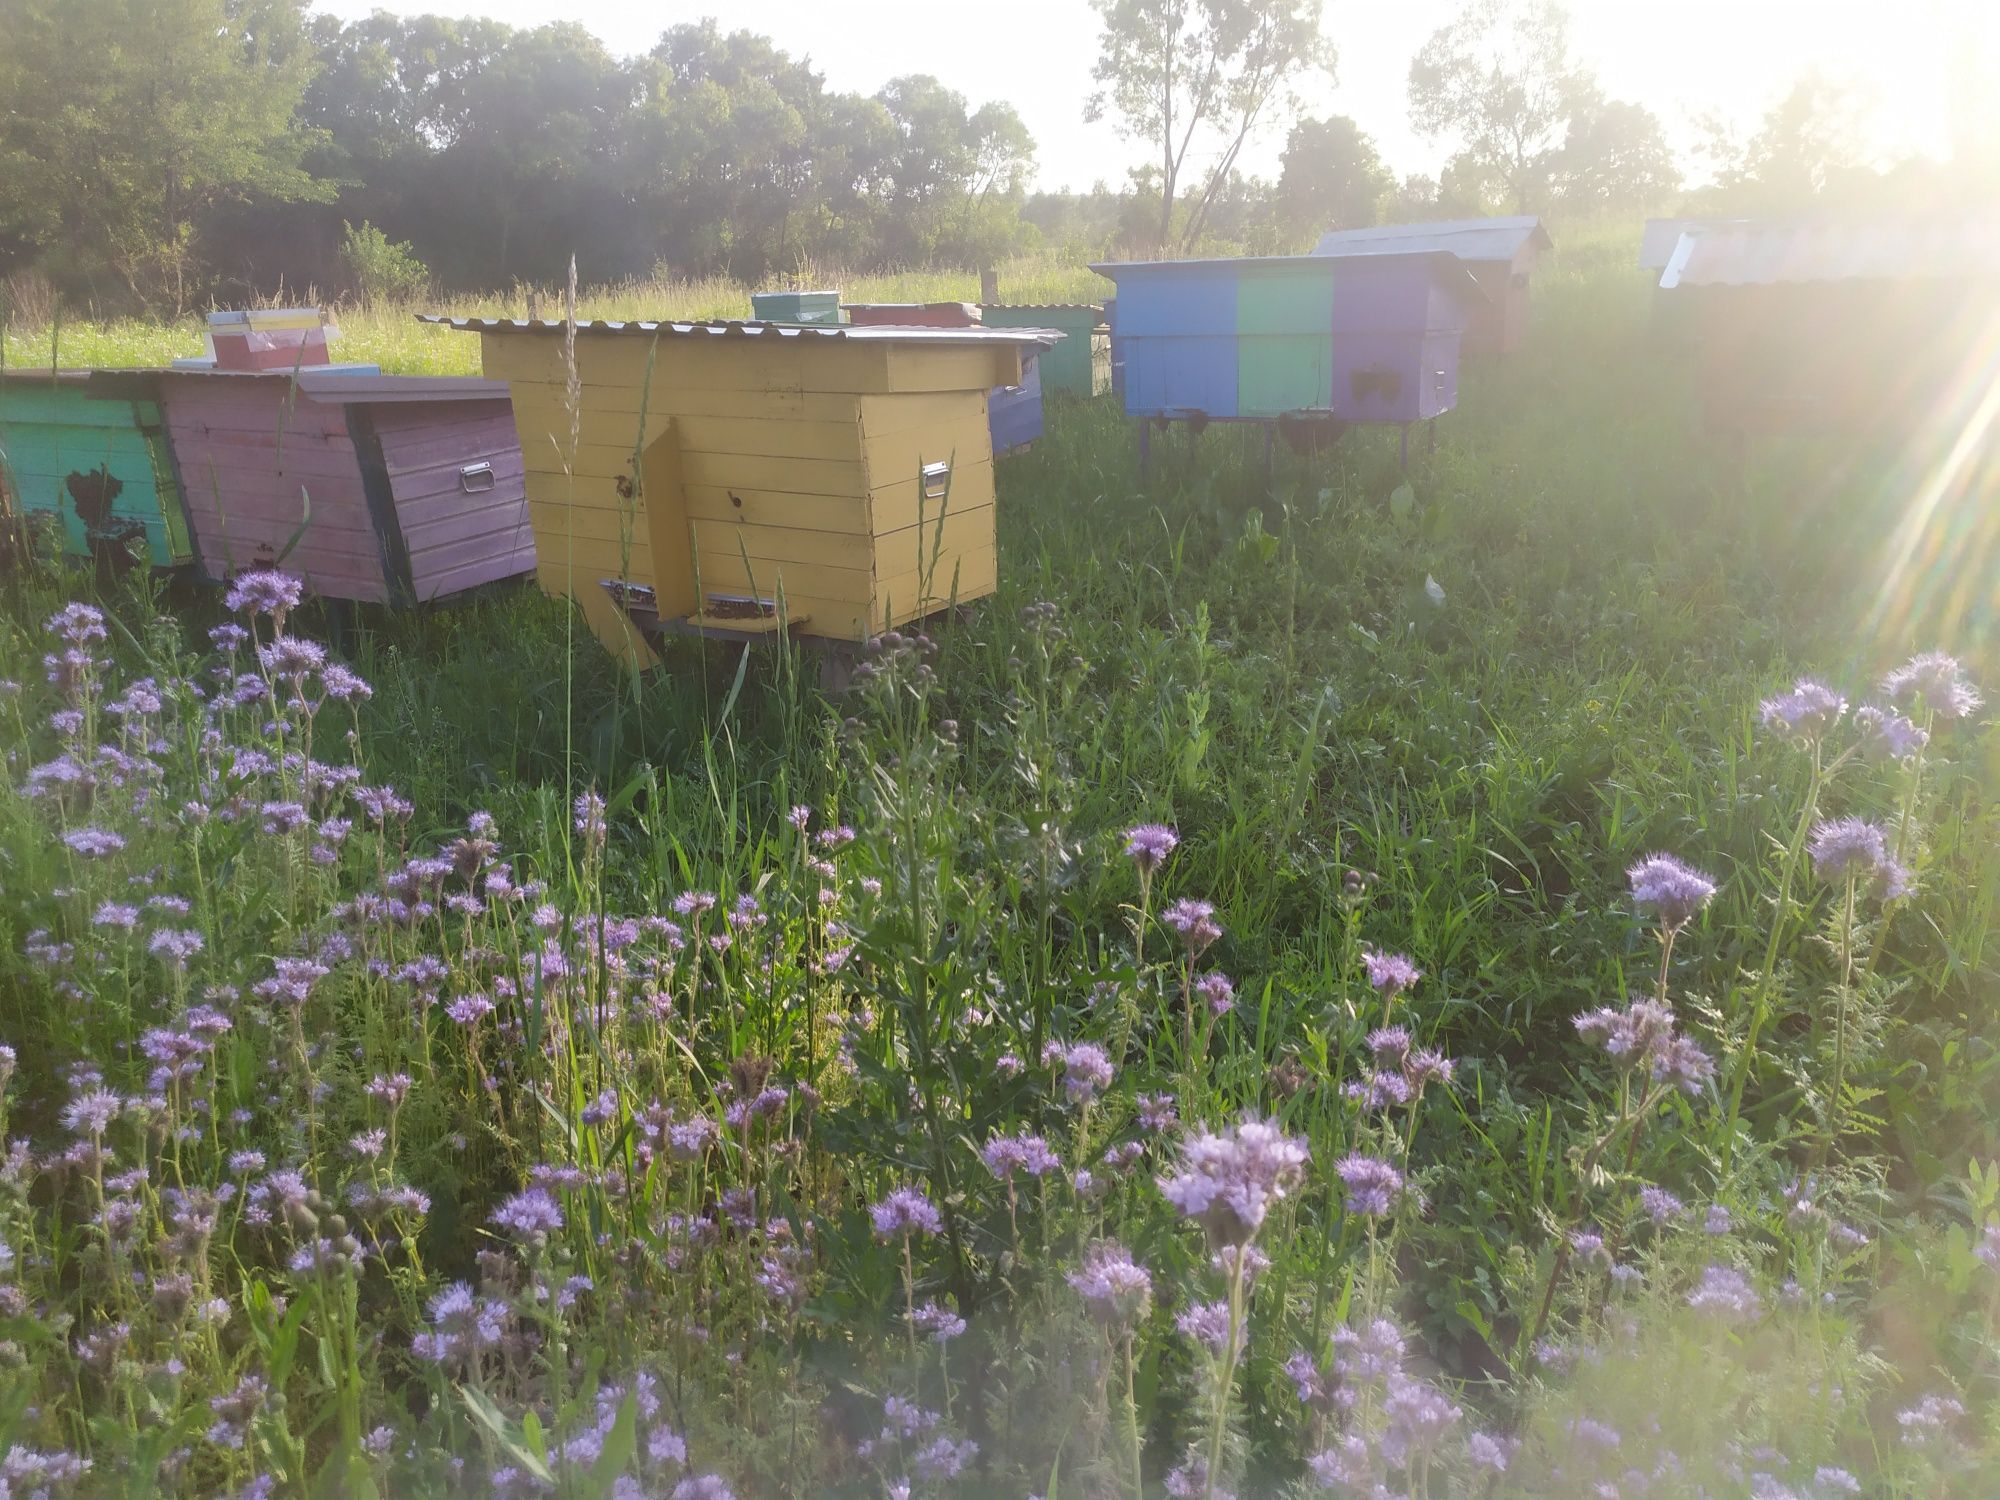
x,y
1373,1185
1936,681
1726,1293
1644,1035
1675,891
1853,847
906,1212
1805,714
1149,844
1390,973
1228,1182
264,592
1195,922
1114,1287
1887,735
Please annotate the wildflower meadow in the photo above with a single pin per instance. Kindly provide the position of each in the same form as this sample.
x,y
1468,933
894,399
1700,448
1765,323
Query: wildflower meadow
x,y
1462,985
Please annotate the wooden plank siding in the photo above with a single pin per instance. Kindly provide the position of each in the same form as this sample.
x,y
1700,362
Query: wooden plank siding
x,y
245,451
772,468
52,432
456,539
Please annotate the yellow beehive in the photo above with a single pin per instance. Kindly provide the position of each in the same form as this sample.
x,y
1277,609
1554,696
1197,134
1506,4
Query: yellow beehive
x,y
728,467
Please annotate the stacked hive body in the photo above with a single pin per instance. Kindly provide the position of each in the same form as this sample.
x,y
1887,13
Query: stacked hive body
x,y
1890,325
1014,411
726,467
795,307
265,338
1500,254
1078,366
386,489
102,468
1358,338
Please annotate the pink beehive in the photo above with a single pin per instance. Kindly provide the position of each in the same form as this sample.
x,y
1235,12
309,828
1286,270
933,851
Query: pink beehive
x,y
388,489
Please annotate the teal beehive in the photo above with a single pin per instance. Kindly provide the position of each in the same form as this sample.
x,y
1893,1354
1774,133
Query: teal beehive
x,y
795,307
101,469
1081,364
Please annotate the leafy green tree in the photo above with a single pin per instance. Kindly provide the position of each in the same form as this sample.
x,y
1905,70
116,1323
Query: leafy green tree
x,y
1615,156
1807,143
1499,80
1197,79
121,121
380,269
1332,177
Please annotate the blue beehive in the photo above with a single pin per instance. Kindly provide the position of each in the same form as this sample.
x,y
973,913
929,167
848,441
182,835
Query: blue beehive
x,y
1014,412
1364,338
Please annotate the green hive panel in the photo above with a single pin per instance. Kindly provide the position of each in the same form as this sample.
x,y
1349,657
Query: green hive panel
x,y
1284,317
796,307
1071,366
71,455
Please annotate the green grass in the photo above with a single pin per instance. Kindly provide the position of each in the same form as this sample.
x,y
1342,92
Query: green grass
x,y
390,336
1260,664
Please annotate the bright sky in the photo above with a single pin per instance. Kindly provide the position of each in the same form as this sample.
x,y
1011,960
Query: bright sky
x,y
1907,62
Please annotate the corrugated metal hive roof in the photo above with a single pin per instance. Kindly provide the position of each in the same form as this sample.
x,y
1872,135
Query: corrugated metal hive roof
x,y
1468,239
876,334
1658,238
1751,254
336,386
1442,264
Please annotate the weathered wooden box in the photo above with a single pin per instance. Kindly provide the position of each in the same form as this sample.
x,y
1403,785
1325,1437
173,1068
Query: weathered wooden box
x,y
408,488
842,475
101,467
1360,338
1078,366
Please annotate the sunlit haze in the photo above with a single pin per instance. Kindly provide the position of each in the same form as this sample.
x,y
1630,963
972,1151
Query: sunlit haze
x,y
1916,71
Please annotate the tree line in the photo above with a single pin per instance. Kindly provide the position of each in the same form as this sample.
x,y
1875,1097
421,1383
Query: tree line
x,y
155,153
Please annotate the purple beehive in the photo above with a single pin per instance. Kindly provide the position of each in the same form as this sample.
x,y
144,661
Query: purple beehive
x,y
1363,338
398,489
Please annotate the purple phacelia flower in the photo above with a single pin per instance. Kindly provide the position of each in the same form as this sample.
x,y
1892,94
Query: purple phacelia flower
x,y
904,1213
264,592
1659,1205
1195,922
1207,1323
1217,991
531,1215
94,843
1373,1185
1005,1155
1675,891
1149,844
1726,1292
1644,1035
1805,714
1844,846
77,623
1228,1182
291,656
1887,735
1114,1287
1390,973
1935,680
